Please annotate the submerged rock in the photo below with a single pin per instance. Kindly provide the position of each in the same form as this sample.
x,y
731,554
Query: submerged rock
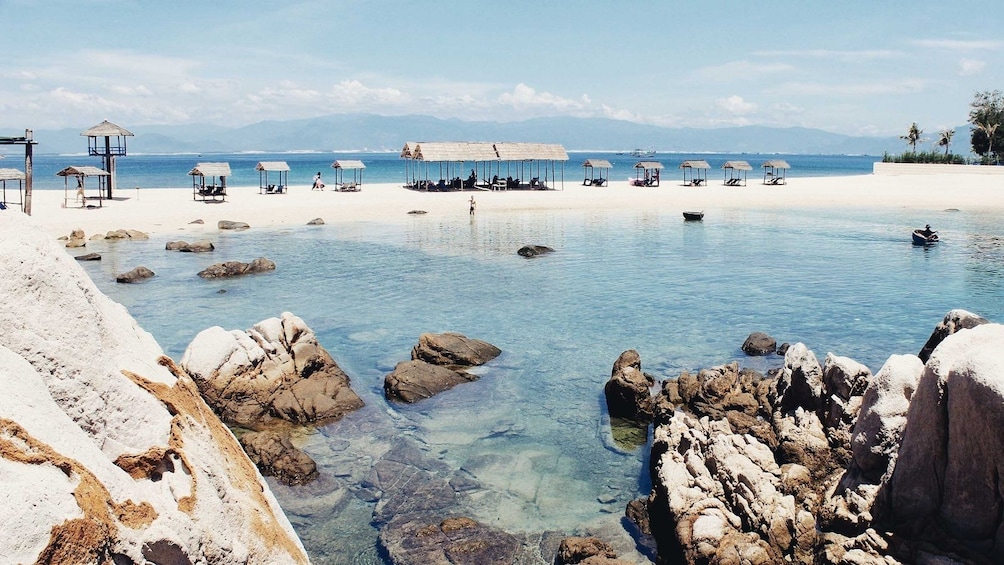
x,y
88,257
275,455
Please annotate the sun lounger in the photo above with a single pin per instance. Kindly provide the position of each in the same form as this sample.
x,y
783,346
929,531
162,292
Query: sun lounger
x,y
349,187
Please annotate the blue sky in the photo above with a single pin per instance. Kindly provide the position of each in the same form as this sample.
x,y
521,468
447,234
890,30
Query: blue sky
x,y
853,67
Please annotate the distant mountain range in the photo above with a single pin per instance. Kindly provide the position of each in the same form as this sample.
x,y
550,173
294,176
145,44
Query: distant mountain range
x,y
368,132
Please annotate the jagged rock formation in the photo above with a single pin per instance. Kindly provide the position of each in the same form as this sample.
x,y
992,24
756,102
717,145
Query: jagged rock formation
x,y
108,453
837,466
274,371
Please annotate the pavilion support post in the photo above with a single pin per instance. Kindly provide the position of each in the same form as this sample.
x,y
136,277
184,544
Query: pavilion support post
x,y
27,171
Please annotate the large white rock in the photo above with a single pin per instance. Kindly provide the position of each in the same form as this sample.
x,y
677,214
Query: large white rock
x,y
104,450
952,451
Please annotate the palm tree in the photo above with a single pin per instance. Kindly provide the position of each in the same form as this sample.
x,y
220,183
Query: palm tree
x,y
913,136
989,129
945,139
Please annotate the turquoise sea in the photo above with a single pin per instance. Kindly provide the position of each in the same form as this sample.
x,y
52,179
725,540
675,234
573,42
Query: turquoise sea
x,y
533,431
168,171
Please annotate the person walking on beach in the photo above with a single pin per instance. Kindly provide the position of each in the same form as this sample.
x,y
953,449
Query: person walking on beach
x,y
318,185
473,204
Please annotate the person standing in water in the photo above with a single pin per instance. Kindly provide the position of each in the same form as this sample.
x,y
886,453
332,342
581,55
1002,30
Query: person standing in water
x,y
473,204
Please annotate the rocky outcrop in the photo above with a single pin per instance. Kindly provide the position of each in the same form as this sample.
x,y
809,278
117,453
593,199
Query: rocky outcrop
x,y
275,455
415,380
231,225
897,467
76,239
453,349
135,275
273,371
201,246
109,454
534,250
759,343
316,222
954,321
237,268
628,392
438,363
947,471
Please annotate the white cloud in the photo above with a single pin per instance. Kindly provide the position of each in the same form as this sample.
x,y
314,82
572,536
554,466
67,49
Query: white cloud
x,y
524,97
970,67
961,45
836,55
735,105
353,93
851,89
138,90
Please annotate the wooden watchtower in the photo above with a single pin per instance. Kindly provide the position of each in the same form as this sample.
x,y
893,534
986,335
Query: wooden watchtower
x,y
107,140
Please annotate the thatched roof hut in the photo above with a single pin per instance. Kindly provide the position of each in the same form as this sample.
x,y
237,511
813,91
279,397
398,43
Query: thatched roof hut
x,y
775,171
281,168
602,168
733,176
81,172
698,169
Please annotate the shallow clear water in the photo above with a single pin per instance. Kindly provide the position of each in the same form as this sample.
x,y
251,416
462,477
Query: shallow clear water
x,y
533,429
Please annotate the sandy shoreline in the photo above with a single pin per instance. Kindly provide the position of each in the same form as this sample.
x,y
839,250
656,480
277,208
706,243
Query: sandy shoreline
x,y
171,210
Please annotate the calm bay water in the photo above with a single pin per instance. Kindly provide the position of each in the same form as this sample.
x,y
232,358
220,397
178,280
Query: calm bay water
x,y
533,430
167,171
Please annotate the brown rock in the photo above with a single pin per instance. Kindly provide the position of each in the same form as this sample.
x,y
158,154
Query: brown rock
x,y
136,275
275,455
759,343
576,549
628,391
453,349
276,370
237,268
953,321
411,381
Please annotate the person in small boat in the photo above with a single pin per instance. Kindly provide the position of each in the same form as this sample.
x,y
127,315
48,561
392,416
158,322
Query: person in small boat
x,y
927,231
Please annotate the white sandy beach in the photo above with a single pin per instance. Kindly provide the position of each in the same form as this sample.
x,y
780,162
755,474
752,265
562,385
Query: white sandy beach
x,y
172,210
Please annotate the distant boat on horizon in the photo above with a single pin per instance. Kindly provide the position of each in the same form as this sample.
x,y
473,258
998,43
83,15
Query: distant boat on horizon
x,y
643,153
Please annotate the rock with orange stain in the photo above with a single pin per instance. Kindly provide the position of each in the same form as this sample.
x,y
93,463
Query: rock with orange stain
x,y
107,451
